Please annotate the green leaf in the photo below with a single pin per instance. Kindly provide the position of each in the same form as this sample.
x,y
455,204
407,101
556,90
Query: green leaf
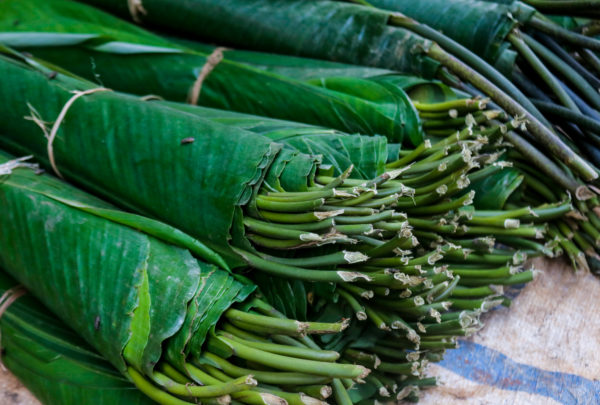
x,y
480,26
146,66
109,281
53,362
419,89
390,98
156,169
366,153
492,192
329,30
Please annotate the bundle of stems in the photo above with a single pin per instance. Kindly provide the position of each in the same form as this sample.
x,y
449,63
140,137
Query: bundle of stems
x,y
214,342
555,66
127,75
119,55
325,74
386,254
373,251
547,61
358,33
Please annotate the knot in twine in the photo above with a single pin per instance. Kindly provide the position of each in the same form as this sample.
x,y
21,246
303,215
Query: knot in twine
x,y
211,62
50,135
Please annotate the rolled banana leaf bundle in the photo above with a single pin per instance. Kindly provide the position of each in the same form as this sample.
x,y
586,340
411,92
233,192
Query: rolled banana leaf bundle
x,y
361,35
548,61
75,58
443,111
123,71
334,76
181,330
25,187
371,261
440,111
53,362
109,51
556,67
365,224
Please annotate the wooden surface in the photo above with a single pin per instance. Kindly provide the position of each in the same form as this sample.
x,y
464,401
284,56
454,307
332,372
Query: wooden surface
x,y
12,391
544,349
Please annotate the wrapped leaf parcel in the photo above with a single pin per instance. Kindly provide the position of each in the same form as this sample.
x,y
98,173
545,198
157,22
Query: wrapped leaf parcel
x,y
148,307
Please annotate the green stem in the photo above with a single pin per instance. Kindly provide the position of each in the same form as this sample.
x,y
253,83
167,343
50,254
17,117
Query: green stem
x,y
319,391
541,70
443,207
534,232
368,219
340,394
299,273
556,31
151,391
542,133
332,370
349,211
516,242
293,206
463,105
271,243
519,278
591,58
229,328
290,397
206,391
581,8
481,66
358,309
460,122
305,217
375,317
475,292
284,325
285,350
564,113
332,259
274,231
567,71
485,273
266,377
297,196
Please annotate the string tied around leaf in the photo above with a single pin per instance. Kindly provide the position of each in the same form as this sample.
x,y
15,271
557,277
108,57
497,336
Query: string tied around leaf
x,y
51,134
211,62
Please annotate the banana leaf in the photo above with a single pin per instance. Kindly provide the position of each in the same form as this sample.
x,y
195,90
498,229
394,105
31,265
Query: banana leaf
x,y
581,9
55,364
339,150
356,34
93,48
493,191
286,65
81,254
194,174
345,33
157,146
142,303
417,88
483,26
